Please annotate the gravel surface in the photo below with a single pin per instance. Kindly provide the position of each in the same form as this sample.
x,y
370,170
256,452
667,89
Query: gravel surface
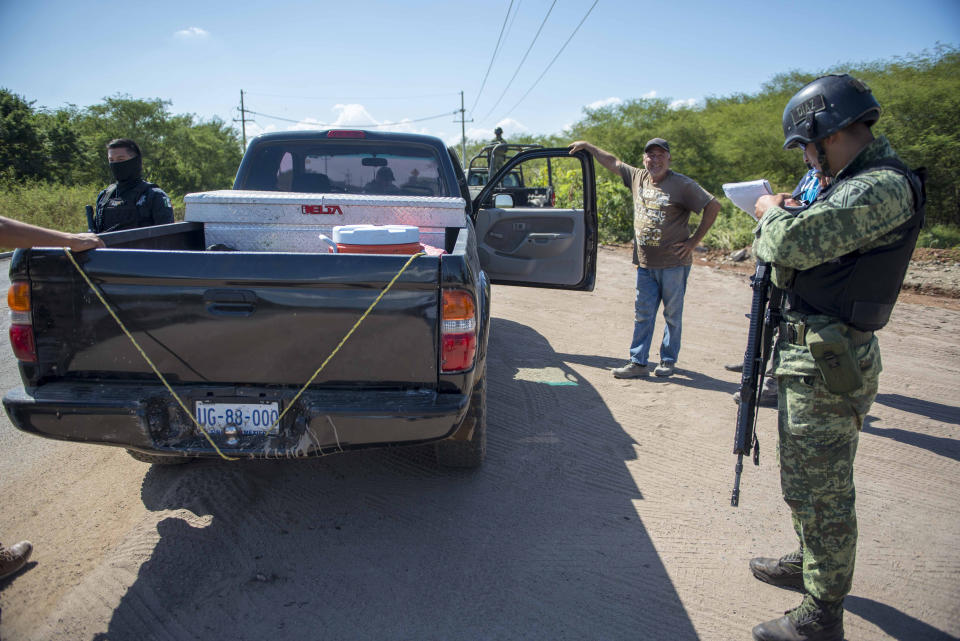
x,y
602,511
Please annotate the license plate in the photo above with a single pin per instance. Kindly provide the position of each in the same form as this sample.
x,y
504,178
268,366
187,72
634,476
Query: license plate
x,y
249,418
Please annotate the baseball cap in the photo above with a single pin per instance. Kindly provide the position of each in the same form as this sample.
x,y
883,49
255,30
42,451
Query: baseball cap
x,y
657,142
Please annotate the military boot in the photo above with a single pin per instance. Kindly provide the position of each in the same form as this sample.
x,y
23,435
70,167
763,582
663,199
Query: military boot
x,y
14,557
813,620
785,572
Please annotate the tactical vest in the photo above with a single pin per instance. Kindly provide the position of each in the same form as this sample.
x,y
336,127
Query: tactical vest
x,y
861,288
116,214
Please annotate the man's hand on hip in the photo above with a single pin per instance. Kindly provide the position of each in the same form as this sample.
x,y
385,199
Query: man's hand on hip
x,y
684,249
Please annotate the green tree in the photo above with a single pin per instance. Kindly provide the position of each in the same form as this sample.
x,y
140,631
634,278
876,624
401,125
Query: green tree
x,y
21,149
180,153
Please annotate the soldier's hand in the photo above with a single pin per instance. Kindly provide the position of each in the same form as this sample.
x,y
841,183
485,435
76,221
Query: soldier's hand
x,y
578,145
766,202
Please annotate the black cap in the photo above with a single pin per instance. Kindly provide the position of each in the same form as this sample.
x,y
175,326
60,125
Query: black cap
x,y
656,142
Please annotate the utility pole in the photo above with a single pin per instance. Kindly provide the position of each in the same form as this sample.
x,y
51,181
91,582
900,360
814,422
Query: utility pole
x,y
463,132
243,120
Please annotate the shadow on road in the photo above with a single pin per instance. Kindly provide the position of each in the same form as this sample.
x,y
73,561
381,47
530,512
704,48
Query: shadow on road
x,y
940,445
685,377
542,542
936,411
892,621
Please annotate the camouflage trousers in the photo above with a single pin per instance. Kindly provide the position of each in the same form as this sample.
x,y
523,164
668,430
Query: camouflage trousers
x,y
818,436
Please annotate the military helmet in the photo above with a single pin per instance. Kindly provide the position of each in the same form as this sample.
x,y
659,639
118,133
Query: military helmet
x,y
825,106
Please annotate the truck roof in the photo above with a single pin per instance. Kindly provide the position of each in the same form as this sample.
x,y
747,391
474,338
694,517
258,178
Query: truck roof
x,y
346,134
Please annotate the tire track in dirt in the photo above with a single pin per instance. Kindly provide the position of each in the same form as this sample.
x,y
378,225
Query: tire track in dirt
x,y
602,510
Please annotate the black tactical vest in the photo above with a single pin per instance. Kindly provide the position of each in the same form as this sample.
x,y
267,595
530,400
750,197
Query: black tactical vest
x,y
861,288
115,214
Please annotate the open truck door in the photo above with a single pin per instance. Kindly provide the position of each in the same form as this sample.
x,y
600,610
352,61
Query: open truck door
x,y
554,245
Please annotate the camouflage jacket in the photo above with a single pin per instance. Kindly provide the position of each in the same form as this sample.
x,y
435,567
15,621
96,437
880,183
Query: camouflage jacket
x,y
859,213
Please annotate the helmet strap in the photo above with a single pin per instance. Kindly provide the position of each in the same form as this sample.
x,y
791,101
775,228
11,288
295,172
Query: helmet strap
x,y
822,159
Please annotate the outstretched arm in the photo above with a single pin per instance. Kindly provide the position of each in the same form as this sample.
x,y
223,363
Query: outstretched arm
x,y
605,158
14,233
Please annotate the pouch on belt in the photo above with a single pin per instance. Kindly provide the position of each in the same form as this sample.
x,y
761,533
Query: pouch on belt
x,y
834,354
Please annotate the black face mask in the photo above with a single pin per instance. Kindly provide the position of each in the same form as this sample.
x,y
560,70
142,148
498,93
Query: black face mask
x,y
127,170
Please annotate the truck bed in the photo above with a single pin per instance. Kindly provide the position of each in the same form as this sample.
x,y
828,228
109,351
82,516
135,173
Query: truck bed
x,y
224,317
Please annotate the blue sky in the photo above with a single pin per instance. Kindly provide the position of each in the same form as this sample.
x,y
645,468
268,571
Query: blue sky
x,y
363,63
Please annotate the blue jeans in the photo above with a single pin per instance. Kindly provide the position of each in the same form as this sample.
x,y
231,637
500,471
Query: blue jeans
x,y
655,285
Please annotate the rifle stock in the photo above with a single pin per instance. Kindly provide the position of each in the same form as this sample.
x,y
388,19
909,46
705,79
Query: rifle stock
x,y
764,319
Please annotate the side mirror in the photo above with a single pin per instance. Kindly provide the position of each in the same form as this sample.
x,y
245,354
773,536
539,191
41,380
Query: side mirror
x,y
503,201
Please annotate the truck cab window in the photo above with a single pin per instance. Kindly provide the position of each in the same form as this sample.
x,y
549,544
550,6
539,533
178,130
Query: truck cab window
x,y
351,167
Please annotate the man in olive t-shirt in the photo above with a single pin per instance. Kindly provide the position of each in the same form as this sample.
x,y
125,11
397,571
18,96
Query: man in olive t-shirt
x,y
662,201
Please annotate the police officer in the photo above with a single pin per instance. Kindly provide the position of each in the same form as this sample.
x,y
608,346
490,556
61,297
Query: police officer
x,y
841,261
130,202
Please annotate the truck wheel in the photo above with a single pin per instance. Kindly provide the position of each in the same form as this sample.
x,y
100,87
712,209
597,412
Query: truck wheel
x,y
157,459
469,453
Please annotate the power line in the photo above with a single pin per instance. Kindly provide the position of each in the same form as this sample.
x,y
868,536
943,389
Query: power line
x,y
513,21
351,98
493,57
374,124
521,61
554,59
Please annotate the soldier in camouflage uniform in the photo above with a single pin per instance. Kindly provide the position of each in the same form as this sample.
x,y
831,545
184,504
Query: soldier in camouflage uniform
x,y
841,261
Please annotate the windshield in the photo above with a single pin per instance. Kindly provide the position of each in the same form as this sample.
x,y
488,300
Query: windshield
x,y
480,178
351,167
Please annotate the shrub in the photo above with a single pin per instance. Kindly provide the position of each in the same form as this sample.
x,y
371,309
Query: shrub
x,y
56,206
940,237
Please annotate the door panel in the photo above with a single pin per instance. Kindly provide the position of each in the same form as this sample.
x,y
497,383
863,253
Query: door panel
x,y
524,245
550,239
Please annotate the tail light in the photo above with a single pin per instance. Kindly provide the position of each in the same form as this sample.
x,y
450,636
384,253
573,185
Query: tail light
x,y
346,133
21,321
458,331
553,198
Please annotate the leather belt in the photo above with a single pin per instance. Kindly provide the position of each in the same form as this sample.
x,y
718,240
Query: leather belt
x,y
796,334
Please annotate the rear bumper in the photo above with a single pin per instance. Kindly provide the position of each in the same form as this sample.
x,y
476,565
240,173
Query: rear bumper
x,y
148,419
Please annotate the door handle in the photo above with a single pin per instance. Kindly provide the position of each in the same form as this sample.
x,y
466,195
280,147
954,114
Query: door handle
x,y
544,238
230,302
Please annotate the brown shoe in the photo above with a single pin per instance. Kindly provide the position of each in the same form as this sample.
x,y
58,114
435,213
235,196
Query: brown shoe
x,y
631,370
813,620
13,558
785,572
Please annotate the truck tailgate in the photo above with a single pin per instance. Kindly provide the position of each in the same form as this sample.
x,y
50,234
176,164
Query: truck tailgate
x,y
232,317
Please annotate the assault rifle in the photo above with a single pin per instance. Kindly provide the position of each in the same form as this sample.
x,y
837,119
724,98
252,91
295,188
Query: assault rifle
x,y
764,319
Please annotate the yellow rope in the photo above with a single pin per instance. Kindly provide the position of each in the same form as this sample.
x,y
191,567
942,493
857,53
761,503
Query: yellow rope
x,y
96,290
344,340
99,294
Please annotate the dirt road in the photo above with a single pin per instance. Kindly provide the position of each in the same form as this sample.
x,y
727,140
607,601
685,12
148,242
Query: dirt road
x,y
602,512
